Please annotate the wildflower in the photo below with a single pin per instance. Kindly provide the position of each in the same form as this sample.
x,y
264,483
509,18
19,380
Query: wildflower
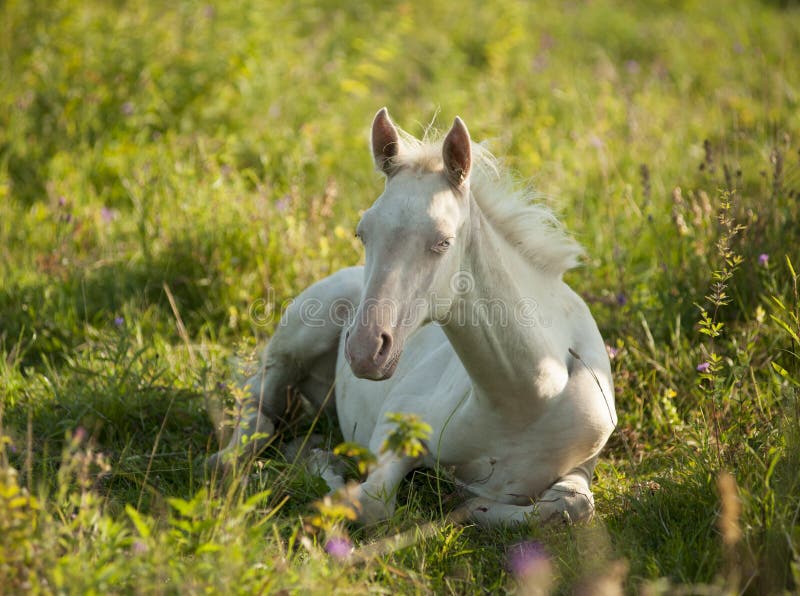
x,y
527,558
80,435
119,321
108,215
339,547
282,204
704,367
139,547
622,299
612,352
763,259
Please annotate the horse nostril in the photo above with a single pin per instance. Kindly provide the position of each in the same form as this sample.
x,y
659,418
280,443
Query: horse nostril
x,y
386,344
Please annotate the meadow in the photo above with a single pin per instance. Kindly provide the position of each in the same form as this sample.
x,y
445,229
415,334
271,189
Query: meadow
x,y
172,173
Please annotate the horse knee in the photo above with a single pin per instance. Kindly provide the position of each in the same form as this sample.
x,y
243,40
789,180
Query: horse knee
x,y
371,507
328,466
375,499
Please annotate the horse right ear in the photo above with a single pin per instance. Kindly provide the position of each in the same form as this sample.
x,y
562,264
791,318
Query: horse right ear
x,y
385,142
457,154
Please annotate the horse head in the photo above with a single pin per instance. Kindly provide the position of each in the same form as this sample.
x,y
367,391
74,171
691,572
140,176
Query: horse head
x,y
414,237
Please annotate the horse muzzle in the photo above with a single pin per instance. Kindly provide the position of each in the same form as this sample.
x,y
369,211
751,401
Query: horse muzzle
x,y
371,353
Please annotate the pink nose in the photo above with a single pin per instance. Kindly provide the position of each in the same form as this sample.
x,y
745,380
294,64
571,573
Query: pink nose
x,y
368,351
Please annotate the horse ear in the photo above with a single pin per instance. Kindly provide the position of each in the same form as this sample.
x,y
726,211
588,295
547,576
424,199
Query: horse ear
x,y
457,154
385,142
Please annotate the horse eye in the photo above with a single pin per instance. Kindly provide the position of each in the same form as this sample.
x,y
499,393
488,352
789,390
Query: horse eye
x,y
443,245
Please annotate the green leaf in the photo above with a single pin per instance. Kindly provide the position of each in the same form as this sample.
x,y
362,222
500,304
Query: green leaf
x,y
185,508
138,521
790,266
784,373
792,333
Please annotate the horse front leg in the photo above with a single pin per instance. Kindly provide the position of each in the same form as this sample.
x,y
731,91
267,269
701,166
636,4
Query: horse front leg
x,y
375,499
568,500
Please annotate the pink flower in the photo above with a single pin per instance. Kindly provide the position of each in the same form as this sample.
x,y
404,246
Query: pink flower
x,y
704,367
763,259
632,66
526,558
339,547
139,547
108,215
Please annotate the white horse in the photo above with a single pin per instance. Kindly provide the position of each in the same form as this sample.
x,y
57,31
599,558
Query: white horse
x,y
461,317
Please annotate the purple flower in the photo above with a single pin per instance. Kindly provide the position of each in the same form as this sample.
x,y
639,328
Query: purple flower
x,y
622,299
339,547
108,215
526,558
704,367
119,321
62,201
612,352
282,204
139,547
763,259
632,66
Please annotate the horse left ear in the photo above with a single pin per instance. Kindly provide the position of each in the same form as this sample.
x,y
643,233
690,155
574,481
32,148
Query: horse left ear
x,y
457,154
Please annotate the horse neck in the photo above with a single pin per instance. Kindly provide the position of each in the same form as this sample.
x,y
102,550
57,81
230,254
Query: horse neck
x,y
501,326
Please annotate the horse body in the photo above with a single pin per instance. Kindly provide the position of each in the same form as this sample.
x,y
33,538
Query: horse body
x,y
462,315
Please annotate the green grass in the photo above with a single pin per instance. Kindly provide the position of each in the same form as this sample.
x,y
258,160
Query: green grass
x,y
218,153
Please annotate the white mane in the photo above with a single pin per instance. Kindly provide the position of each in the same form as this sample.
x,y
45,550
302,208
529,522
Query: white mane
x,y
526,224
